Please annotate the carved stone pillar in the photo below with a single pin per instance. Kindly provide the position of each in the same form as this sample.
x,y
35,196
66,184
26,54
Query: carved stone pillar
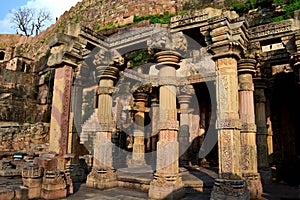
x,y
184,131
138,152
228,127
60,114
167,182
154,123
75,120
269,128
248,128
103,174
262,132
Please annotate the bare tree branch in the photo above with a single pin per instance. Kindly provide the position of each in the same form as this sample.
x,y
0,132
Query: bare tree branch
x,y
28,21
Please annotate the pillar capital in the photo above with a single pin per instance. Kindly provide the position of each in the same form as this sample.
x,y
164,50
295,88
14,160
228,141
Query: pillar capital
x,y
154,101
140,96
167,58
107,72
226,50
260,83
105,90
246,66
63,51
184,98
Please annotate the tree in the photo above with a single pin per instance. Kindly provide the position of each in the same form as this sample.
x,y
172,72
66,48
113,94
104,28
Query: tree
x,y
28,21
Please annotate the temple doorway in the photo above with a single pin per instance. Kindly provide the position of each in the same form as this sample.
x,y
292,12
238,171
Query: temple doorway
x,y
285,110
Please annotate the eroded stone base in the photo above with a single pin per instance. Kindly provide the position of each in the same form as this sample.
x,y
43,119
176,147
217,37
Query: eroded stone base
x,y
230,190
55,184
102,179
54,194
254,185
166,187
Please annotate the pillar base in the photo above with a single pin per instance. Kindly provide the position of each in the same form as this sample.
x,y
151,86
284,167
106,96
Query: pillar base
x,y
102,179
266,175
253,184
166,187
230,189
55,185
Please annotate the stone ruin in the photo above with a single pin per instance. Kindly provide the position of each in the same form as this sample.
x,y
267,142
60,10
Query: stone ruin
x,y
206,76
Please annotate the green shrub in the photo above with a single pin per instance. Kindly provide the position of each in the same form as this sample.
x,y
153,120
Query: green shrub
x,y
277,19
161,19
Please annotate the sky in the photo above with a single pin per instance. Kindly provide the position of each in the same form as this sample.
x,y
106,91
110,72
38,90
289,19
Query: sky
x,y
55,7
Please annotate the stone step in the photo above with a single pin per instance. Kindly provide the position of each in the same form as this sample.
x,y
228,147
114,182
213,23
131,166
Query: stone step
x,y
200,181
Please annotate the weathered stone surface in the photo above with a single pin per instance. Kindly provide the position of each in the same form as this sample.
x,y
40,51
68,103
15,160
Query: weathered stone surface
x,y
26,138
7,194
230,189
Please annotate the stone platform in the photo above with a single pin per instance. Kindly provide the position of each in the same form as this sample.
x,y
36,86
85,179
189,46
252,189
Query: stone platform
x,y
196,180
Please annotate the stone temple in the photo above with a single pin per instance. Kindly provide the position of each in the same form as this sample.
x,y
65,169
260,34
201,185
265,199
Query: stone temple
x,y
207,103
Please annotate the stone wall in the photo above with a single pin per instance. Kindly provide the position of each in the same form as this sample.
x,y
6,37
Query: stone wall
x,y
27,138
17,96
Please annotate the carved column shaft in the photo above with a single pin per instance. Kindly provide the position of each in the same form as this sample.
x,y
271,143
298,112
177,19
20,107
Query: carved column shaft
x,y
138,153
59,126
262,132
103,152
248,128
167,181
154,121
247,117
75,120
184,133
166,162
103,175
228,118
